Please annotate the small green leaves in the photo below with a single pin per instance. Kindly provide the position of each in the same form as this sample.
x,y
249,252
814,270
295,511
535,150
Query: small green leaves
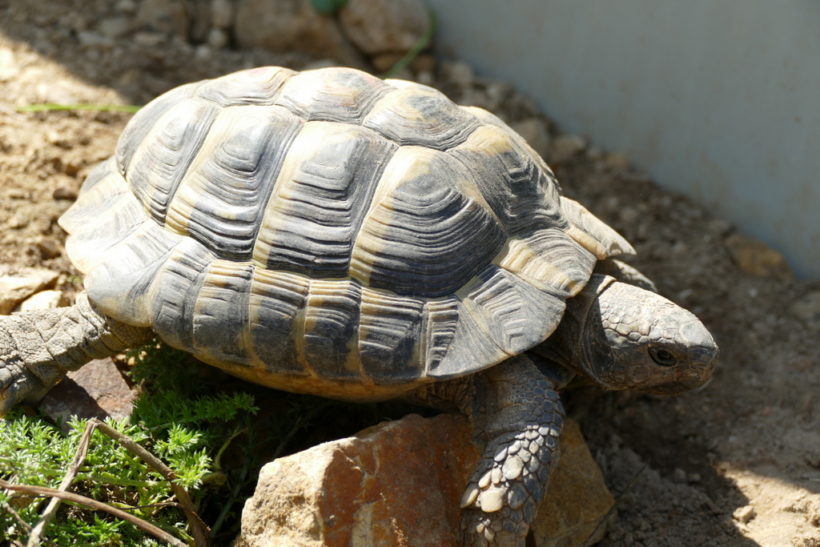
x,y
328,7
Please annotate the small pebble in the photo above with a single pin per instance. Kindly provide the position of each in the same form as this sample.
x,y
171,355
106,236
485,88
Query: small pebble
x,y
222,13
745,514
459,73
565,147
217,38
43,300
534,131
64,192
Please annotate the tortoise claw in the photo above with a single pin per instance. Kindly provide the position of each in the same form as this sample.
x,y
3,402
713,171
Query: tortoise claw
x,y
17,385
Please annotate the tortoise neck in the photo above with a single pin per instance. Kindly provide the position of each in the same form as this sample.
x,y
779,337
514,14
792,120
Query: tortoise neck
x,y
568,344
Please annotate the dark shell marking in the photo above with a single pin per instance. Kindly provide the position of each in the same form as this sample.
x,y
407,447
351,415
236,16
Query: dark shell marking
x,y
330,232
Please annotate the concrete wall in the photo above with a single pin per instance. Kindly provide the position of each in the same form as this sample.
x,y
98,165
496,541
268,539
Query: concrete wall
x,y
718,99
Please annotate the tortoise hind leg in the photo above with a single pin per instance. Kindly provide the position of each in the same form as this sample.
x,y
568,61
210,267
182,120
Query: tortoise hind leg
x,y
38,348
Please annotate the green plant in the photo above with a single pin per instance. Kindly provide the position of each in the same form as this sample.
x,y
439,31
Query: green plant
x,y
328,7
187,431
213,432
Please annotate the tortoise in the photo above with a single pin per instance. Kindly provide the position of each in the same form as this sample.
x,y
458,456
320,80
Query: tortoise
x,y
331,233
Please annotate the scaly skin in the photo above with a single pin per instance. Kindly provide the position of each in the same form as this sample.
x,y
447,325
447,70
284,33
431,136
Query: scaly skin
x,y
517,416
615,334
38,348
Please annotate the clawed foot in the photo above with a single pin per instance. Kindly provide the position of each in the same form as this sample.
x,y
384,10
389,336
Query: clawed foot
x,y
17,385
501,529
501,499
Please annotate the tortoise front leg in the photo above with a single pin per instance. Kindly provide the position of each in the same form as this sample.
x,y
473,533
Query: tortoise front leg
x,y
38,348
517,417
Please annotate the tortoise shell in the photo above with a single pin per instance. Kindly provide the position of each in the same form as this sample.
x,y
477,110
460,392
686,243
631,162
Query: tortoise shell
x,y
332,233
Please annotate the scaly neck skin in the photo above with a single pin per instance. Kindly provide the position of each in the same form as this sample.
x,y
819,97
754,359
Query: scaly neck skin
x,y
565,346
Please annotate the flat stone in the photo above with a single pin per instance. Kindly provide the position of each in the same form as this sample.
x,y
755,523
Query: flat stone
x,y
43,300
18,284
97,390
578,503
401,483
756,258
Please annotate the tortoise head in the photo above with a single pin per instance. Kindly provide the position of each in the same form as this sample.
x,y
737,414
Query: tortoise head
x,y
632,338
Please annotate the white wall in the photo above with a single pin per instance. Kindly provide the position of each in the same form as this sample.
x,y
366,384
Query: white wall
x,y
718,99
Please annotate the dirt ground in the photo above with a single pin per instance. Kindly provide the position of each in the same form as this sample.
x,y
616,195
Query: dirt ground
x,y
737,463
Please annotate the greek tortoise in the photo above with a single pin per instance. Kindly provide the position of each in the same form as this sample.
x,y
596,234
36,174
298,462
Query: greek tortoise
x,y
331,233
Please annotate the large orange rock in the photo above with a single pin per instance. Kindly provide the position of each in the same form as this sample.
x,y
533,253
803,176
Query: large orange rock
x,y
400,483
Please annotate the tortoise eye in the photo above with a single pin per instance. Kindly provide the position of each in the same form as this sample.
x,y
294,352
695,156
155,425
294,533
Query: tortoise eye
x,y
662,357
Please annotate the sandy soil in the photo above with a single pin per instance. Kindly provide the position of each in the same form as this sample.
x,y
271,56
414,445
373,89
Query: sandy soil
x,y
737,463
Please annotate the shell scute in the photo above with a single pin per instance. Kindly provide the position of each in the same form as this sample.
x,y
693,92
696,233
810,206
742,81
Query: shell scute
x,y
339,95
257,86
275,304
320,199
420,116
221,199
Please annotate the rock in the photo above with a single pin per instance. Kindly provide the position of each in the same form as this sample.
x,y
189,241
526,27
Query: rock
x,y
126,6
115,27
565,147
97,390
200,20
164,16
424,63
64,192
807,308
17,285
616,162
48,248
377,27
534,131
400,483
43,300
756,258
94,39
148,39
578,499
385,61
222,13
745,514
217,38
9,68
292,25
458,74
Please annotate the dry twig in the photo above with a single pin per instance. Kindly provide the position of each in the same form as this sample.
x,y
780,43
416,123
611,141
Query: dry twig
x,y
155,531
54,504
199,529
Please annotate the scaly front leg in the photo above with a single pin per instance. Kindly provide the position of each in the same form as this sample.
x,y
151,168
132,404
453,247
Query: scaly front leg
x,y
37,348
517,414
517,417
